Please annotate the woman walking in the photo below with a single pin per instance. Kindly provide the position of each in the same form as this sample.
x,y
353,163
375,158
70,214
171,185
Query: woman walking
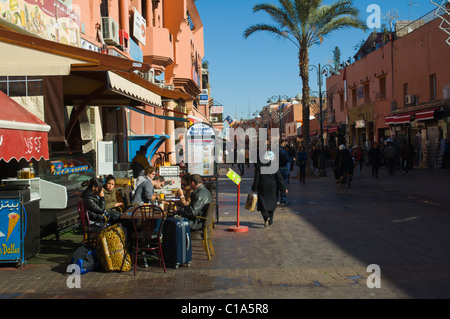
x,y
265,185
302,158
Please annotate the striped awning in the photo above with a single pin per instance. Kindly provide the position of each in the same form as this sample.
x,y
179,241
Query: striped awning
x,y
426,115
399,119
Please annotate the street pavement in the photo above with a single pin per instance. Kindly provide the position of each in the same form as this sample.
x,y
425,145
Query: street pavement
x,y
384,238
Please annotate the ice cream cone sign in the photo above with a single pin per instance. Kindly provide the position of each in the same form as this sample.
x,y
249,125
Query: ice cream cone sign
x,y
13,219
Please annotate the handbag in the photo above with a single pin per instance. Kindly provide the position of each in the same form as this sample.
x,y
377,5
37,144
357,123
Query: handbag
x,y
111,249
250,205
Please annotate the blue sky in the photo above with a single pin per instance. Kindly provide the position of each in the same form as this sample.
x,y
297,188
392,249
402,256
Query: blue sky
x,y
244,73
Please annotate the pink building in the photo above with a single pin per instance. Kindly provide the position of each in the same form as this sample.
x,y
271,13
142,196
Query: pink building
x,y
398,89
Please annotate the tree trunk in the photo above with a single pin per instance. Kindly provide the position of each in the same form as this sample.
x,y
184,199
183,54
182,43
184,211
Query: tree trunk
x,y
304,74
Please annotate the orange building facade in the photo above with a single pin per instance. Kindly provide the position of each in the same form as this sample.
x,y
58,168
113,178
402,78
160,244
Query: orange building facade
x,y
136,69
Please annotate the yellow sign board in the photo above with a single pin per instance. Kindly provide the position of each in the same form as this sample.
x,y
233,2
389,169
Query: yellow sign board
x,y
234,176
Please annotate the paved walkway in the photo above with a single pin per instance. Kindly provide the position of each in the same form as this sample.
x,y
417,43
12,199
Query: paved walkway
x,y
318,248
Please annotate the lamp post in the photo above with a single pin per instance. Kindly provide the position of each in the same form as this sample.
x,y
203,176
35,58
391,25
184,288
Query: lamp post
x,y
279,99
320,70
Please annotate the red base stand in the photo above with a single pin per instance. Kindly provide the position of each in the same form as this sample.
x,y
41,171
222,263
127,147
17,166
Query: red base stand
x,y
240,229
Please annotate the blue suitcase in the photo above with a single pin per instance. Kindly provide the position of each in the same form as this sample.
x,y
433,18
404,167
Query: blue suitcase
x,y
176,242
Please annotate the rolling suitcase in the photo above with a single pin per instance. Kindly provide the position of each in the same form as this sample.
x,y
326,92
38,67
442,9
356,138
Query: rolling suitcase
x,y
176,243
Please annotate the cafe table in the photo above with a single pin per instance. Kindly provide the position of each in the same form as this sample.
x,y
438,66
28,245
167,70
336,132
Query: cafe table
x,y
128,213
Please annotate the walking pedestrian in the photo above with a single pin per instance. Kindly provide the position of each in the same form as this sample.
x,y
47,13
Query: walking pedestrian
x,y
407,155
241,161
266,186
315,158
374,155
357,157
390,154
284,163
302,158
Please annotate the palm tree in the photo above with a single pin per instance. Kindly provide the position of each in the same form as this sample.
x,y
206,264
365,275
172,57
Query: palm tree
x,y
306,23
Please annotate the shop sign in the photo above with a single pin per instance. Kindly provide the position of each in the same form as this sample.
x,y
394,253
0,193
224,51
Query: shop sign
x,y
49,19
195,76
139,27
204,99
90,46
360,124
229,120
69,166
217,109
169,171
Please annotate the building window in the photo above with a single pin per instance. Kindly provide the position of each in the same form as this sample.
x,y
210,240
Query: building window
x,y
366,93
354,103
341,101
21,85
382,88
433,87
405,91
189,20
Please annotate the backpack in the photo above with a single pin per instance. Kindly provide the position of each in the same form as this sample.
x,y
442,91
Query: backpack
x,y
83,256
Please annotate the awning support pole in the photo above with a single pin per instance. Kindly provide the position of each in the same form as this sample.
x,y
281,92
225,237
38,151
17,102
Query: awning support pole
x,y
76,113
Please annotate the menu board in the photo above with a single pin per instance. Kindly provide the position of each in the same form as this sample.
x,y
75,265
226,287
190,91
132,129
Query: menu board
x,y
200,157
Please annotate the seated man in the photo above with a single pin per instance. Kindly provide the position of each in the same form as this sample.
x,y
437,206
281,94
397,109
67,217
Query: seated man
x,y
145,192
200,198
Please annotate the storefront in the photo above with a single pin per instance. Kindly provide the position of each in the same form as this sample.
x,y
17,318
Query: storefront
x,y
361,125
84,94
23,138
424,128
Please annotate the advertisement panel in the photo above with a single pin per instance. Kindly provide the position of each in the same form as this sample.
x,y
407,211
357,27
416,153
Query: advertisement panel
x,y
10,230
200,146
139,27
48,19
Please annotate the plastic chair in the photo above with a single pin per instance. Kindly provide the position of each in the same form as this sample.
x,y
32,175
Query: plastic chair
x,y
207,230
148,222
88,226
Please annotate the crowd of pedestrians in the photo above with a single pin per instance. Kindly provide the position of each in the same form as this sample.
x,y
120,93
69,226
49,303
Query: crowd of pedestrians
x,y
343,160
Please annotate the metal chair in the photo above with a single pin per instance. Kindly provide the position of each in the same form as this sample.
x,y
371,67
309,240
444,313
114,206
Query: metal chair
x,y
89,228
207,230
147,222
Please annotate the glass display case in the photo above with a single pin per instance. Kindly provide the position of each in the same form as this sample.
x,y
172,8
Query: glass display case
x,y
61,179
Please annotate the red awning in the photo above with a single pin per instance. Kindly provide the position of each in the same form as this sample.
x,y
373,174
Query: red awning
x,y
313,133
399,119
22,134
426,115
332,129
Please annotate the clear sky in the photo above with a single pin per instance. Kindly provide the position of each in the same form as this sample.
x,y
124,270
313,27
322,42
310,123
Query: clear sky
x,y
245,73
